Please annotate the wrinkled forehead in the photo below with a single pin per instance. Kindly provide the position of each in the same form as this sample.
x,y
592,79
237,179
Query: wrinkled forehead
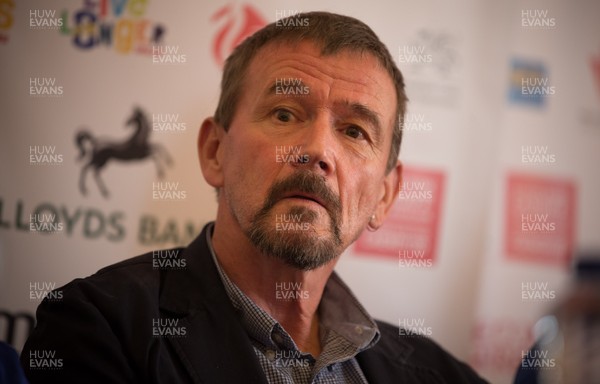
x,y
360,73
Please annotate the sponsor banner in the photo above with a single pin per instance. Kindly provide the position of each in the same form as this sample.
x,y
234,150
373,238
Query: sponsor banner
x,y
539,219
499,345
431,61
234,24
122,26
411,229
529,83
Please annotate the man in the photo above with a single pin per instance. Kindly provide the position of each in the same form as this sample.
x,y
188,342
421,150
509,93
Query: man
x,y
303,153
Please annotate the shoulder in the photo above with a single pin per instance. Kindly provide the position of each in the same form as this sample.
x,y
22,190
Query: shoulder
x,y
106,314
123,279
132,284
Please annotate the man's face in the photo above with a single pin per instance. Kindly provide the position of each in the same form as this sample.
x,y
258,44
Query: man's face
x,y
304,158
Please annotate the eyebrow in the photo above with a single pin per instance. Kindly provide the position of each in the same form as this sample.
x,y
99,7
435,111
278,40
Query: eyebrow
x,y
356,109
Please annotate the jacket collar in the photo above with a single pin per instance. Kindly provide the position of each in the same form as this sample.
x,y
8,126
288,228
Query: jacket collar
x,y
216,347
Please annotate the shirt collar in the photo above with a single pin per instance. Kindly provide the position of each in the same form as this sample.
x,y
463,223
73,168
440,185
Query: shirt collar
x,y
339,311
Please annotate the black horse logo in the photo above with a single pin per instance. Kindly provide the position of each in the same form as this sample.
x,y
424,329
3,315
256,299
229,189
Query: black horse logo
x,y
135,147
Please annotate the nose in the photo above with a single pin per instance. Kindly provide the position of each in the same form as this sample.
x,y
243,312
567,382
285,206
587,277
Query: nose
x,y
318,147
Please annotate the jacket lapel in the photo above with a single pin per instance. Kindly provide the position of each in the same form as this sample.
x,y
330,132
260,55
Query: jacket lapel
x,y
383,363
389,361
216,348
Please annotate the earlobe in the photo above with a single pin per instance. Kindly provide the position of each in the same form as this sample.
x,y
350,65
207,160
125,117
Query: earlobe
x,y
210,152
389,194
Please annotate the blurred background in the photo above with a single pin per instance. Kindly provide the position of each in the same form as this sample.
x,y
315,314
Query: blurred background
x,y
501,145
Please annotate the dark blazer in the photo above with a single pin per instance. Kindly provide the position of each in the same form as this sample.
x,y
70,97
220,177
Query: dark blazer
x,y
102,331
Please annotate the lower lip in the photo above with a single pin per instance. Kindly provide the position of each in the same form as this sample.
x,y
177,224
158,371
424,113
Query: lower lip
x,y
300,199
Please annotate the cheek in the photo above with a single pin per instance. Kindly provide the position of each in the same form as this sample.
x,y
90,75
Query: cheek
x,y
237,149
248,165
365,197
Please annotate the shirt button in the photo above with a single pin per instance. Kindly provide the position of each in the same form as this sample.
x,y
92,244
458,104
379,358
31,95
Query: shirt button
x,y
277,338
358,329
270,354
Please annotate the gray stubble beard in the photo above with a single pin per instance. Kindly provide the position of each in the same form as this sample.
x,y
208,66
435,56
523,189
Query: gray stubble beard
x,y
302,249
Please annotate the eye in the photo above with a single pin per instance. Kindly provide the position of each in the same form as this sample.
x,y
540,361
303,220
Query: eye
x,y
355,132
283,115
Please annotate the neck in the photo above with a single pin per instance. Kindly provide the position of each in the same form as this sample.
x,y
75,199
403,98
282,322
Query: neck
x,y
289,295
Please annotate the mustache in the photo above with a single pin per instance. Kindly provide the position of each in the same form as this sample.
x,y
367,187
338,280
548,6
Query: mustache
x,y
305,182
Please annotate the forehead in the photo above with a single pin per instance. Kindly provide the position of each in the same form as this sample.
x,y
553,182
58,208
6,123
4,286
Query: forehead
x,y
340,77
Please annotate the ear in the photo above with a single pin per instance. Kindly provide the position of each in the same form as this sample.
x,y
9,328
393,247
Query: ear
x,y
389,194
210,152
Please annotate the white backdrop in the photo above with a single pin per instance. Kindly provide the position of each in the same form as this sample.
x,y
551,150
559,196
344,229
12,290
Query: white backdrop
x,y
482,148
